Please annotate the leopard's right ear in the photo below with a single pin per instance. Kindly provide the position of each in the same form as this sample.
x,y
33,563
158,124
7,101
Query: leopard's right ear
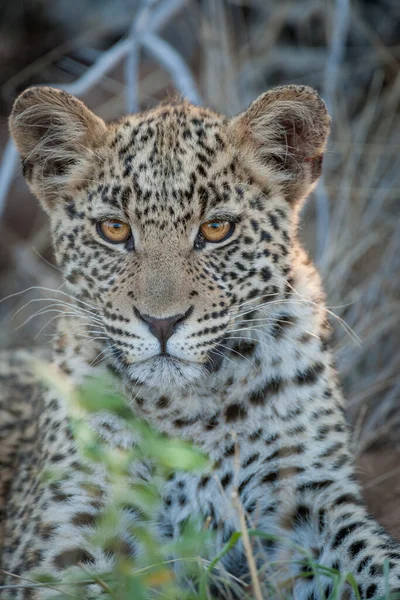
x,y
56,136
283,135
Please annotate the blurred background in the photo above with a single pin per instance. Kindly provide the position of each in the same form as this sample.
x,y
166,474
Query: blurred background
x,y
125,55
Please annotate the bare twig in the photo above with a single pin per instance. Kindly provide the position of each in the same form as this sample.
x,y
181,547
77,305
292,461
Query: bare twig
x,y
9,164
164,53
132,60
336,53
172,61
31,584
247,546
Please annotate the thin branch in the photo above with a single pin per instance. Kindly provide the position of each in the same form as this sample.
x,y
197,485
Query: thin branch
x,y
92,76
9,164
88,80
163,13
132,60
172,61
336,52
247,546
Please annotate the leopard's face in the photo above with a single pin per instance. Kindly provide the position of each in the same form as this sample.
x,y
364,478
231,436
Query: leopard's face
x,y
173,226
174,230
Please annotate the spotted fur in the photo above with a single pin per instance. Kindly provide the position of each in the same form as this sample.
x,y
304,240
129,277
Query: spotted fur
x,y
249,366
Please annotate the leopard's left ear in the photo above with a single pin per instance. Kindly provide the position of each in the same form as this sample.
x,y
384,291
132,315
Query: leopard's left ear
x,y
283,134
57,137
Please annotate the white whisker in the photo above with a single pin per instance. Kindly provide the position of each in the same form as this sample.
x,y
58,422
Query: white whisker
x,y
57,302
45,260
43,312
250,339
256,298
223,356
236,352
107,352
40,287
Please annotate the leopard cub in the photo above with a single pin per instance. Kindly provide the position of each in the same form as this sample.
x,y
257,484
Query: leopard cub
x,y
176,231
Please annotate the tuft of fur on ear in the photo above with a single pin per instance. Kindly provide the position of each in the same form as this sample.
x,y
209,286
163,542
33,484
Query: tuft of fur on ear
x,y
283,135
56,136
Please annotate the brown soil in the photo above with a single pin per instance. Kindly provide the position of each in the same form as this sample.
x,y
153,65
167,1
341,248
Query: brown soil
x,y
379,473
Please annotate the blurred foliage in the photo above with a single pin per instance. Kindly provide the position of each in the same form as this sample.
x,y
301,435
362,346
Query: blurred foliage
x,y
236,49
153,568
172,568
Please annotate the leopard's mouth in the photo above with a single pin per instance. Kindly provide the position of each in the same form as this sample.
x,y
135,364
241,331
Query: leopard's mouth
x,y
162,370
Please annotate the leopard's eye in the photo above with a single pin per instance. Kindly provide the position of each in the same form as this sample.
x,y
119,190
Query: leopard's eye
x,y
216,231
114,231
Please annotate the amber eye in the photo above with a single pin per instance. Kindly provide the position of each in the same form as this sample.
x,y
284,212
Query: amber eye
x,y
114,231
216,231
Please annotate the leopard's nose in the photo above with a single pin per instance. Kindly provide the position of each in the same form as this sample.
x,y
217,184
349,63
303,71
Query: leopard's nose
x,y
163,328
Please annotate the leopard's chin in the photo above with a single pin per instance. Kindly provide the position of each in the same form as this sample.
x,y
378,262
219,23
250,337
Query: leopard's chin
x,y
165,372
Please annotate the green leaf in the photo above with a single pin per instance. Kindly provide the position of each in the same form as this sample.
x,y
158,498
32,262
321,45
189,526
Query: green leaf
x,y
177,455
131,587
99,394
233,540
41,577
352,582
145,497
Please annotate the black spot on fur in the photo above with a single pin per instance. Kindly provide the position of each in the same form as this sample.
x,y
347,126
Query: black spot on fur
x,y
226,480
344,532
72,557
356,548
271,387
310,375
252,458
302,514
234,412
265,274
